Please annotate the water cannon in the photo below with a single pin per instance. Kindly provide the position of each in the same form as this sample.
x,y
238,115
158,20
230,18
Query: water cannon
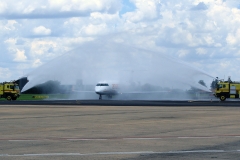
x,y
229,79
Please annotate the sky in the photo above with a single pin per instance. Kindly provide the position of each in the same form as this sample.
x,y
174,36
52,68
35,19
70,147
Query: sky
x,y
205,34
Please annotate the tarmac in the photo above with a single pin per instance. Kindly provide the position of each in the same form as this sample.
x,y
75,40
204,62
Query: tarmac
x,y
208,102
88,129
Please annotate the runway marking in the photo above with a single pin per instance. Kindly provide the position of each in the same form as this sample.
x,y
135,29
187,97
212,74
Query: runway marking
x,y
86,139
201,151
141,138
23,140
118,138
197,137
117,153
53,154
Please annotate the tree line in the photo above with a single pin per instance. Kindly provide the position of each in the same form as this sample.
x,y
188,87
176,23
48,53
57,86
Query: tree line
x,y
49,87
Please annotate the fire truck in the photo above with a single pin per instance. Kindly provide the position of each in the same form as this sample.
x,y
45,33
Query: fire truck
x,y
226,89
9,90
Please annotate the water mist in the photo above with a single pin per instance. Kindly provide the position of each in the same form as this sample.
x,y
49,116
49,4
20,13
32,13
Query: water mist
x,y
98,61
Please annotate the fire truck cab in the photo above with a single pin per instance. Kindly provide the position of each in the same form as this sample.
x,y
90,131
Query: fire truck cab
x,y
227,89
9,90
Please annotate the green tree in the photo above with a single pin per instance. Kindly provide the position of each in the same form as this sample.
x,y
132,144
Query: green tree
x,y
49,87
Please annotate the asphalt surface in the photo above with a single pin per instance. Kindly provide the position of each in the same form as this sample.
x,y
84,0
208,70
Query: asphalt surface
x,y
127,102
109,129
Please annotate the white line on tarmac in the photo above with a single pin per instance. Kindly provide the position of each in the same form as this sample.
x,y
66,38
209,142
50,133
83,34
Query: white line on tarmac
x,y
200,151
22,140
86,139
117,153
53,154
197,137
141,138
127,138
76,154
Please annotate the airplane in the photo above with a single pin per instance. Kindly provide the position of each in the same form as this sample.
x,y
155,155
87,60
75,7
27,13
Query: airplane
x,y
106,88
112,88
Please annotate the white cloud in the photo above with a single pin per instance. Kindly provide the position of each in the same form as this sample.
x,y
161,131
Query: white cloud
x,y
10,45
11,9
5,74
231,39
10,41
37,63
201,51
3,7
10,25
209,40
146,10
73,42
225,65
98,18
28,9
234,38
41,47
201,32
70,5
20,56
41,30
92,30
97,24
182,53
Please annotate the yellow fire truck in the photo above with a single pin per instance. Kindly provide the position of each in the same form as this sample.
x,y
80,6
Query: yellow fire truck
x,y
9,90
227,89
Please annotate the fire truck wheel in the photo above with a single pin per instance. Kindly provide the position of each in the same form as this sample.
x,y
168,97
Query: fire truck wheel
x,y
9,98
222,98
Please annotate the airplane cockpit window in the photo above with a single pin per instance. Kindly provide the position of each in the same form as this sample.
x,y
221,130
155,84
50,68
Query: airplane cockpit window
x,y
221,86
102,84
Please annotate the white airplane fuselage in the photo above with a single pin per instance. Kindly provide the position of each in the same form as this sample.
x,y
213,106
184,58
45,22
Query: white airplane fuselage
x,y
106,88
112,88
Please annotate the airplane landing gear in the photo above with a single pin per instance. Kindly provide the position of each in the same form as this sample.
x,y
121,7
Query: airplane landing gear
x,y
100,96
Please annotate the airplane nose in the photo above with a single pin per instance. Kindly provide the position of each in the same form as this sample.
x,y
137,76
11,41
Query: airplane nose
x,y
98,89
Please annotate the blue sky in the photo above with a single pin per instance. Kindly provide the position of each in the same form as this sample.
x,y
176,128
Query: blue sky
x,y
127,6
203,33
